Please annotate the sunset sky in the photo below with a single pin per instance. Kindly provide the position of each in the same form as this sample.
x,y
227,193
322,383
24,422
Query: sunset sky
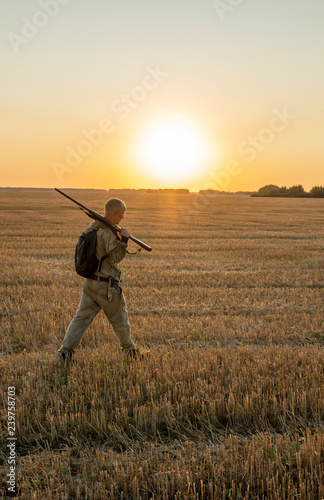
x,y
166,93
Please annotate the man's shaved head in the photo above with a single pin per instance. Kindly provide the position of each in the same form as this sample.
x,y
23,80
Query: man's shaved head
x,y
114,205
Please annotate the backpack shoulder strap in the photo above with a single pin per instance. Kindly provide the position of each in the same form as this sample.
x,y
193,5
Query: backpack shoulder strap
x,y
101,261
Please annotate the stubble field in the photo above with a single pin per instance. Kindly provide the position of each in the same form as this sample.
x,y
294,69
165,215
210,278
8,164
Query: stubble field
x,y
229,404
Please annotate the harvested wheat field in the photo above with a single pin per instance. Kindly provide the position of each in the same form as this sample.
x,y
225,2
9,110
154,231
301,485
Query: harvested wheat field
x,y
229,404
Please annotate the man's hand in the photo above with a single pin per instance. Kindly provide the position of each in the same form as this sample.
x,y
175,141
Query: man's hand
x,y
125,232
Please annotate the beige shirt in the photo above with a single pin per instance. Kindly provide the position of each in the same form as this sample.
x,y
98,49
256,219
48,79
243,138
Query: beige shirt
x,y
108,243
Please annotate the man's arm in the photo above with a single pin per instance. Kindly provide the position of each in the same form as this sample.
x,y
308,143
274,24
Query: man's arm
x,y
115,249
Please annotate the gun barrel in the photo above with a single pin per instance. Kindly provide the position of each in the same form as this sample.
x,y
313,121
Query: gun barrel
x,y
94,215
141,243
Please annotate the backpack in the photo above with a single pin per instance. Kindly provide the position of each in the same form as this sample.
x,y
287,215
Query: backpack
x,y
85,259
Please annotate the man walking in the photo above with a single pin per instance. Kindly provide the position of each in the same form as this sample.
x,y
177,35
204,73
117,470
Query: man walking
x,y
102,289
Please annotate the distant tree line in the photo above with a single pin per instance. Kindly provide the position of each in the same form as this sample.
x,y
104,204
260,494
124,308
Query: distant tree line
x,y
216,191
162,190
176,191
271,190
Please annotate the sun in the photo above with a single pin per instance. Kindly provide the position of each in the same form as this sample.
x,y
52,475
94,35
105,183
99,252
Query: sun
x,y
172,148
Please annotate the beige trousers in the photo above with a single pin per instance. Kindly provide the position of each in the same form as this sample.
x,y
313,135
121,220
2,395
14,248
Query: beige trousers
x,y
94,298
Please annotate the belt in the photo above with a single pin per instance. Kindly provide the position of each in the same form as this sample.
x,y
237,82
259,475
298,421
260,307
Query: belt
x,y
99,278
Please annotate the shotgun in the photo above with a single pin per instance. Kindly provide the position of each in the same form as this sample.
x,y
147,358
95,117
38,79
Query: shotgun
x,y
94,215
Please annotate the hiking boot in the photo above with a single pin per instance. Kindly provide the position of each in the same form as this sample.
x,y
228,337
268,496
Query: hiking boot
x,y
137,353
65,356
